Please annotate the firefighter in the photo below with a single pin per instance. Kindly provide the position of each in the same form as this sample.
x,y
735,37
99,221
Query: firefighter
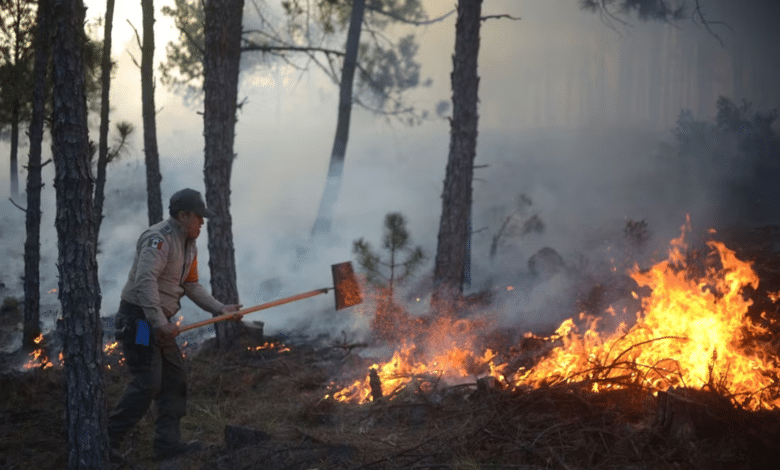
x,y
165,268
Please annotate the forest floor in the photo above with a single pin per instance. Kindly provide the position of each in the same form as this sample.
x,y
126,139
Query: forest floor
x,y
262,404
265,409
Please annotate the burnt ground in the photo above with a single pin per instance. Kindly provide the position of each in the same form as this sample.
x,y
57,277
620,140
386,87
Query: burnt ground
x,y
265,409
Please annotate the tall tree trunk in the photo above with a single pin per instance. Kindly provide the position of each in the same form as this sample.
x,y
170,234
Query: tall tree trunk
x,y
15,106
105,84
85,417
153,177
222,56
15,148
449,270
32,244
335,168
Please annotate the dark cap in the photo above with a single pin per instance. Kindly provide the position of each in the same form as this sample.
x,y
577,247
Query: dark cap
x,y
189,200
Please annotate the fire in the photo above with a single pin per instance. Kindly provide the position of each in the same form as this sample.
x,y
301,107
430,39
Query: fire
x,y
404,368
38,358
52,291
111,349
692,331
278,347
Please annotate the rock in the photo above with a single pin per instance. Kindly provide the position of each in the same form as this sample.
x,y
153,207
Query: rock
x,y
545,263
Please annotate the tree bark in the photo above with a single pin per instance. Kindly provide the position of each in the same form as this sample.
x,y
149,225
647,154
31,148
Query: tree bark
x,y
15,148
105,84
335,169
222,56
85,417
32,244
153,177
15,105
451,251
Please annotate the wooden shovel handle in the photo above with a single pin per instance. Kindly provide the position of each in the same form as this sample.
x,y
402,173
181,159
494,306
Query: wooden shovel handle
x,y
245,311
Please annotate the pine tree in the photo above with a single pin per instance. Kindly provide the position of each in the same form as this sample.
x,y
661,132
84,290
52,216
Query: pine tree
x,y
395,241
391,321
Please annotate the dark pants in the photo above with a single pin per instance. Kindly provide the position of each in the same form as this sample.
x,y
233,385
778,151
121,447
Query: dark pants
x,y
158,374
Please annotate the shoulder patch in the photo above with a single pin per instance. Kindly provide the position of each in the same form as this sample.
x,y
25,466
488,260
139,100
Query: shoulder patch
x,y
167,229
155,243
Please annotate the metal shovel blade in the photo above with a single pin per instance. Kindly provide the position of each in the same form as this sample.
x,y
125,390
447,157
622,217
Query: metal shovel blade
x,y
345,285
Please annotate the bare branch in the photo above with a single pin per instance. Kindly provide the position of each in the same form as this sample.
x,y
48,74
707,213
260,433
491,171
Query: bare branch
x,y
138,41
408,111
697,12
251,46
408,21
137,36
495,17
41,165
664,13
132,57
18,206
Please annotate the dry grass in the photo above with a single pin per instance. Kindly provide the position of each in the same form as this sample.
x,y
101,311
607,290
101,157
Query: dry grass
x,y
466,427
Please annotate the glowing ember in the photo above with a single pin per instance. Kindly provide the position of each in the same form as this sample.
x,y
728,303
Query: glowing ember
x,y
112,349
38,360
692,332
278,347
52,291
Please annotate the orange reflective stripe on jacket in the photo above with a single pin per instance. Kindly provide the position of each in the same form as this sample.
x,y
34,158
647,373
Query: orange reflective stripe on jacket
x,y
193,274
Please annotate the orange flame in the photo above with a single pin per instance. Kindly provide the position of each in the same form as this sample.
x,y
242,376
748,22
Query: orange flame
x,y
692,332
112,349
279,347
38,359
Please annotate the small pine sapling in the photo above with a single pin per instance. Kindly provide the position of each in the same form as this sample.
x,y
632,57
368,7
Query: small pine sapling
x,y
391,321
395,241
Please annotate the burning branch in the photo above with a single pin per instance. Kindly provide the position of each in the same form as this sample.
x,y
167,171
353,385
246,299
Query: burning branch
x,y
376,385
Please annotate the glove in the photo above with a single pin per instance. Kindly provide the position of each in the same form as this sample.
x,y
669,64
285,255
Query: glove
x,y
231,309
166,332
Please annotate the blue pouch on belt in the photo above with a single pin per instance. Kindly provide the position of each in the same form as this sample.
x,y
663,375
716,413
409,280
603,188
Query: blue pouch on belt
x,y
143,333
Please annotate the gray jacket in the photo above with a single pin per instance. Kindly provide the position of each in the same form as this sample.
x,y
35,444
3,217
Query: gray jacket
x,y
166,268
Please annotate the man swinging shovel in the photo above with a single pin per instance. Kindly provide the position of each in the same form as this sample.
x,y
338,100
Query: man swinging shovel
x,y
165,268
345,287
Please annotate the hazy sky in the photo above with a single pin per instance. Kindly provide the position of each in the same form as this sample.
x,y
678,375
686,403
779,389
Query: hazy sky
x,y
553,125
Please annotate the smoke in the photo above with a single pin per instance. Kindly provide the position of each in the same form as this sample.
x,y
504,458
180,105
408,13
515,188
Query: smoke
x,y
573,115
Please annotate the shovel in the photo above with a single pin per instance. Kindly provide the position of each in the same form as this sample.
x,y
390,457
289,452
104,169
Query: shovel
x,y
345,286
